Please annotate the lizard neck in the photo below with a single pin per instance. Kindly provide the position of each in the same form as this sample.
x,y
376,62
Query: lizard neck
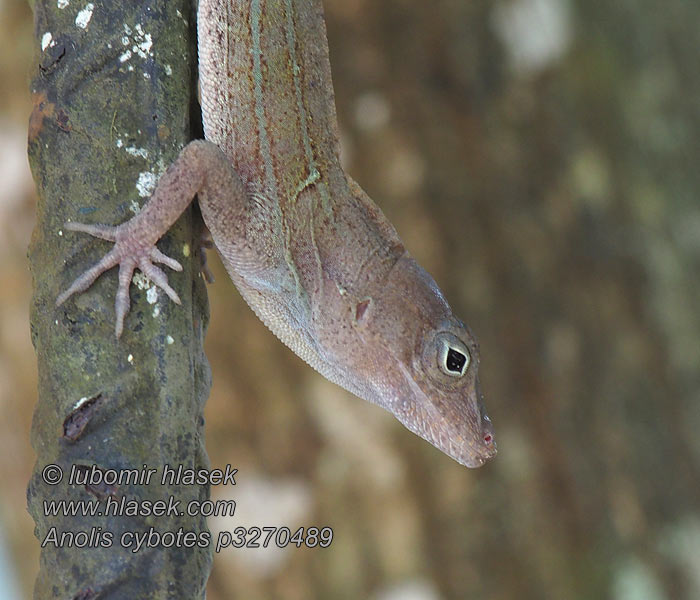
x,y
275,119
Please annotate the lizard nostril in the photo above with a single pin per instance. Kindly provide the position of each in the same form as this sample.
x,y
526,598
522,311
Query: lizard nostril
x,y
488,437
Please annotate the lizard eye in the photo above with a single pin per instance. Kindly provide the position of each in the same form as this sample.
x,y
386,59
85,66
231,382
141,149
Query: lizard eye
x,y
455,361
453,357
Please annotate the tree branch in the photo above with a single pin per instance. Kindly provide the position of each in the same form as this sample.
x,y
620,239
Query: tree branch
x,y
112,91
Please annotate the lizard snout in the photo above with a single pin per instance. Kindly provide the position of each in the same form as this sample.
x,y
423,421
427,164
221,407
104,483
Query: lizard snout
x,y
488,447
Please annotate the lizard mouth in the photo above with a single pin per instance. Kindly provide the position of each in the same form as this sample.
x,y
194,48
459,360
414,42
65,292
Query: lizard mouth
x,y
468,448
478,459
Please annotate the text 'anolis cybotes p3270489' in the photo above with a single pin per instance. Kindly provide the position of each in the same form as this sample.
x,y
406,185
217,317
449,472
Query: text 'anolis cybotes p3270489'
x,y
309,251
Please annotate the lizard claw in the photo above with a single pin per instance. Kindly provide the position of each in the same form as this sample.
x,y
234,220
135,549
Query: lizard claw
x,y
129,255
205,243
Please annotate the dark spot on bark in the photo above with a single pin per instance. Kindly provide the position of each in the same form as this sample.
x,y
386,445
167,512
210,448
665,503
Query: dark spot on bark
x,y
86,594
42,109
76,422
52,56
100,490
62,120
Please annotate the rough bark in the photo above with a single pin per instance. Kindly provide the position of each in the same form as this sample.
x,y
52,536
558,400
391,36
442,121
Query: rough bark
x,y
113,90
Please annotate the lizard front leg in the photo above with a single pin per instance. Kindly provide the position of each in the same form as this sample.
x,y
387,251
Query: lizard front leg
x,y
200,168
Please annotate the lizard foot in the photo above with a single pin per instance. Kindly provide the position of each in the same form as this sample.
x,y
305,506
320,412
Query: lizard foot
x,y
129,254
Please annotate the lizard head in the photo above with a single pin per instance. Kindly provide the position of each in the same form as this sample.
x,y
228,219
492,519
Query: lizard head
x,y
424,364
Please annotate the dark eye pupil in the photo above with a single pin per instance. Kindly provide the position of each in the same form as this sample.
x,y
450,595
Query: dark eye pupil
x,y
455,361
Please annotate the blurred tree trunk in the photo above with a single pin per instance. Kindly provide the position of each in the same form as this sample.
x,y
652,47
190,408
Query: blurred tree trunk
x,y
540,158
113,91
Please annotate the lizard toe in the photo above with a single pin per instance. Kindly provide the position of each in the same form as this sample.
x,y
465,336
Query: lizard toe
x,y
157,276
105,232
88,277
158,256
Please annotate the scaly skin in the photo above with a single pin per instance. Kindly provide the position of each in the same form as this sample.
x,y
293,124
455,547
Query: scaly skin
x,y
309,251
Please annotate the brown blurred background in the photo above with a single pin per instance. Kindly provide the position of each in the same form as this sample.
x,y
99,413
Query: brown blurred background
x,y
541,159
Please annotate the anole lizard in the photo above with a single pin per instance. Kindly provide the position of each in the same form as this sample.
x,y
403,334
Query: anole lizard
x,y
309,251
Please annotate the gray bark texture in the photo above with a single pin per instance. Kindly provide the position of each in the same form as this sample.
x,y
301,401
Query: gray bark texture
x,y
113,94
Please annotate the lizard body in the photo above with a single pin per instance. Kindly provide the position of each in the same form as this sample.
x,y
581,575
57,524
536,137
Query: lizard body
x,y
309,251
